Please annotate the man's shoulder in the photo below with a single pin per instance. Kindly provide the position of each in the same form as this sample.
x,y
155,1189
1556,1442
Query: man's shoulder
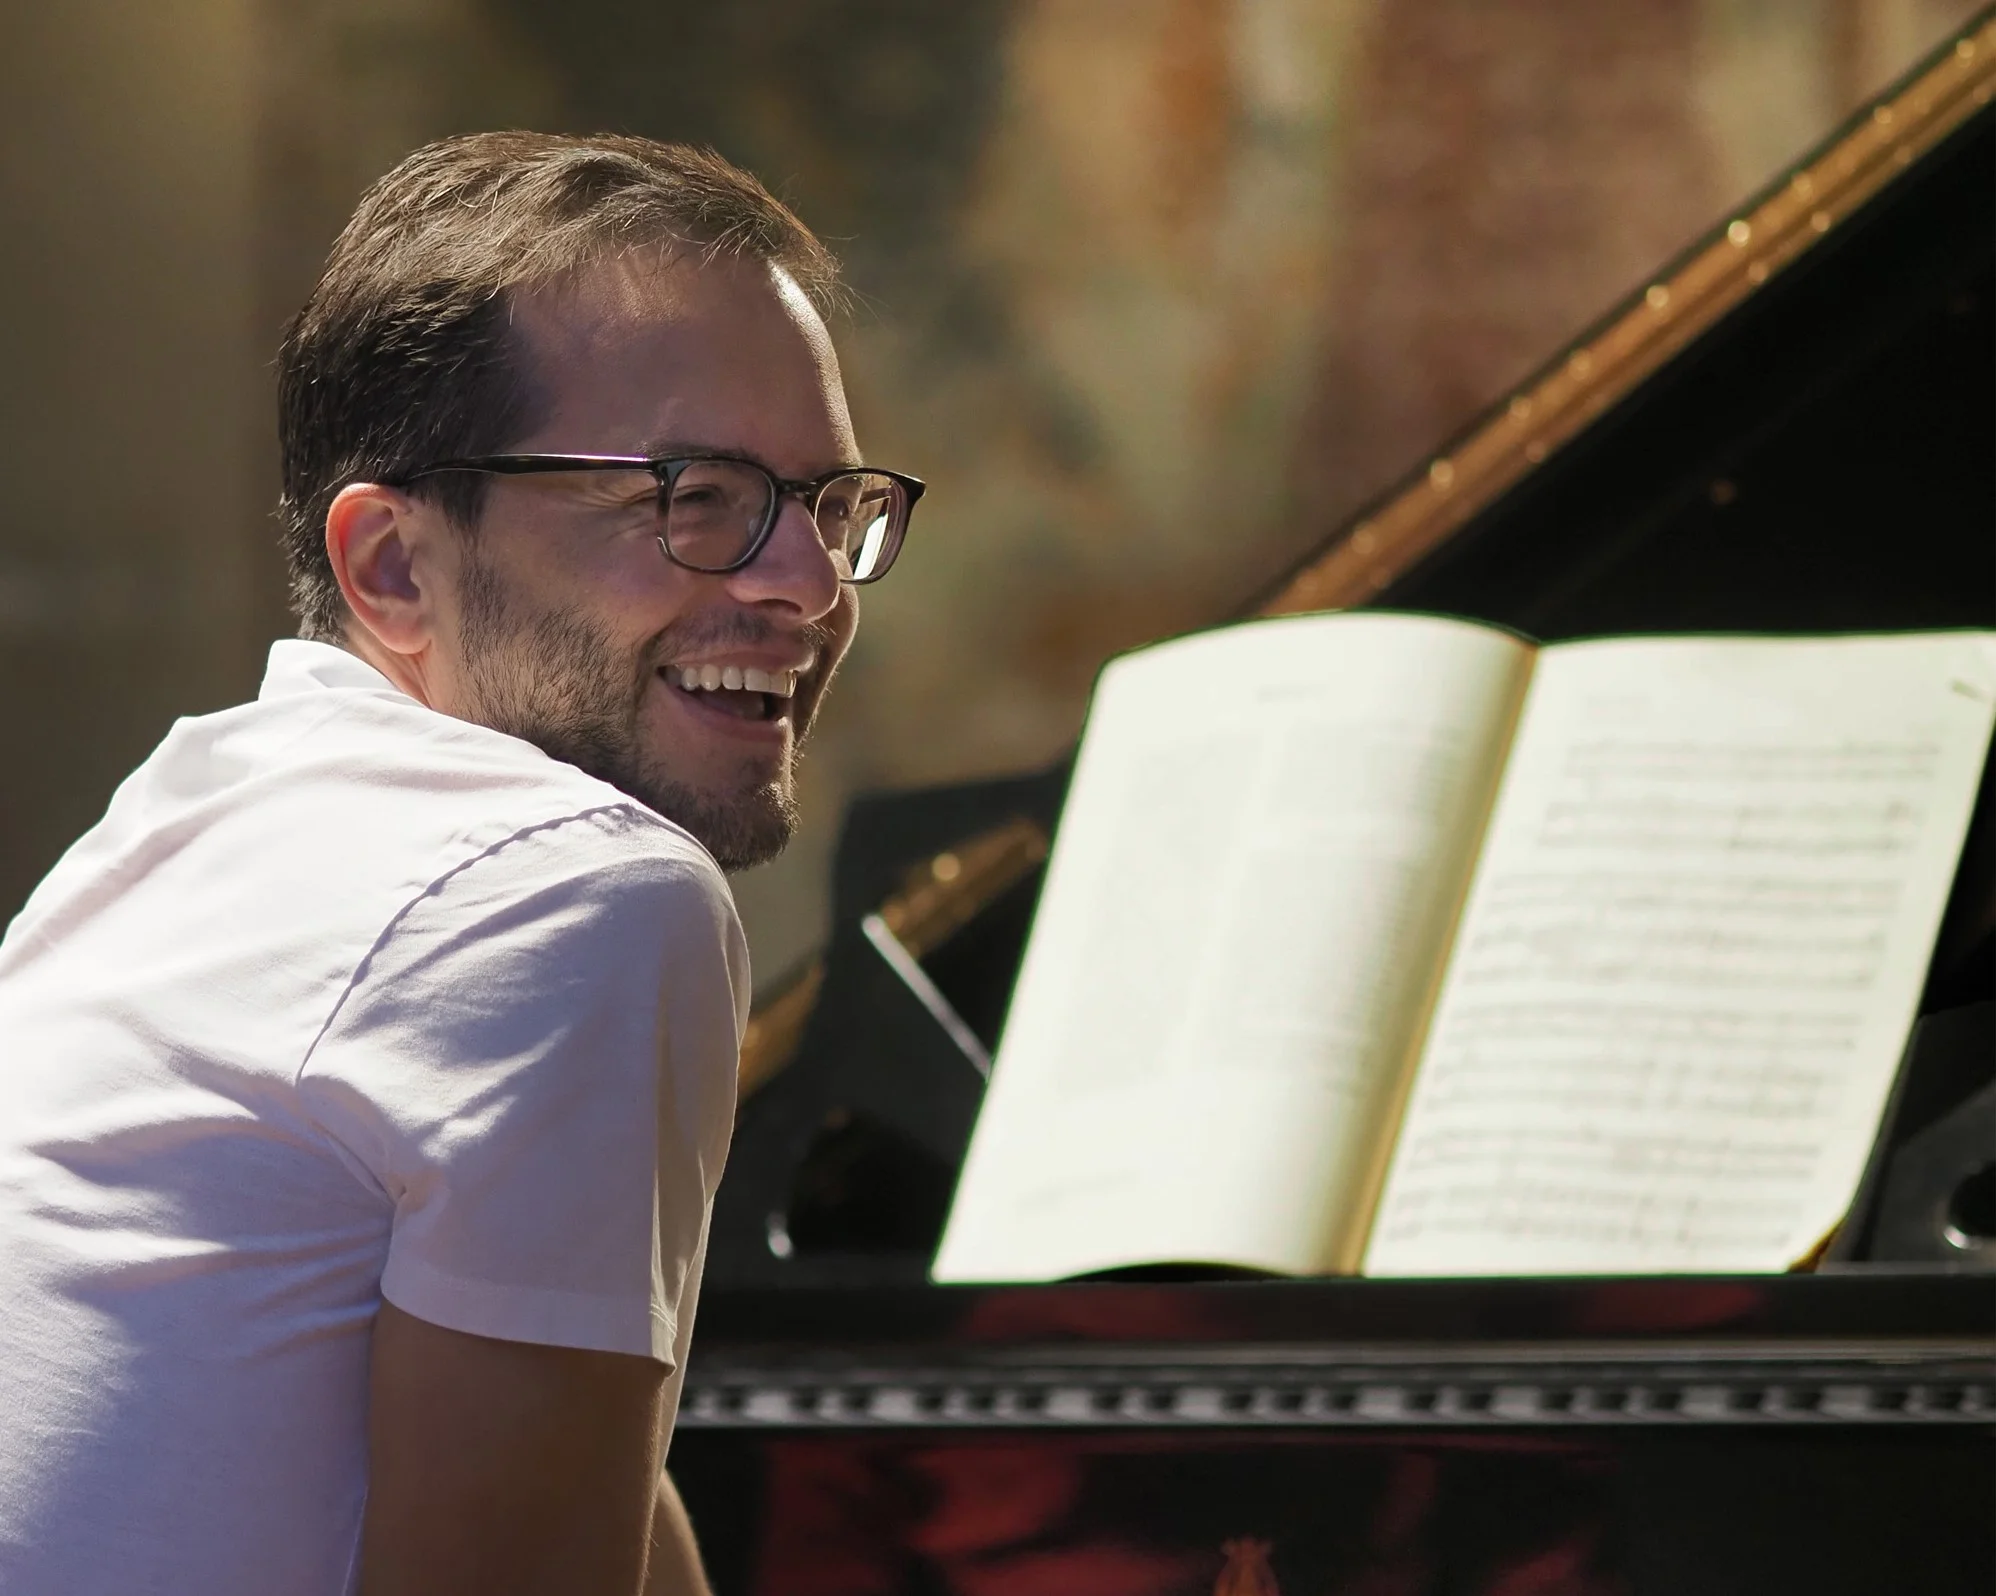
x,y
409,780
588,925
597,847
312,824
566,873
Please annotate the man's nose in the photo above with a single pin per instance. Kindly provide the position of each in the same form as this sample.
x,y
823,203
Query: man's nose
x,y
793,569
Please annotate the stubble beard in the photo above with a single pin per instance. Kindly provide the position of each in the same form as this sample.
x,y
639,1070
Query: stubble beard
x,y
555,679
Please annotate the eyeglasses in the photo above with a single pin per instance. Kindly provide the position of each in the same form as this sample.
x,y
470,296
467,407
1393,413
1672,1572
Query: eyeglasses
x,y
715,512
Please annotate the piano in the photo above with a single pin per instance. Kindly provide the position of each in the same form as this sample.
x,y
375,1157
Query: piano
x,y
1790,427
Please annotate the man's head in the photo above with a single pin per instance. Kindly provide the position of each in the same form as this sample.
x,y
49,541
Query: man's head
x,y
521,294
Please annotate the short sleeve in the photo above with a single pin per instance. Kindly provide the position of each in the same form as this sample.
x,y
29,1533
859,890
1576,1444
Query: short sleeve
x,y
536,1064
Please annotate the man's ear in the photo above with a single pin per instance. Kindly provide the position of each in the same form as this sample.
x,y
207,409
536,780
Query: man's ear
x,y
378,540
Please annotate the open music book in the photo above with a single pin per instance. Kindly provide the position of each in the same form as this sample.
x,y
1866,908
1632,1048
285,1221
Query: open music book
x,y
1400,945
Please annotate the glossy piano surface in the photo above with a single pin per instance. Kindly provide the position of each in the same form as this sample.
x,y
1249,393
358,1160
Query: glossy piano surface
x,y
1827,1433
1792,427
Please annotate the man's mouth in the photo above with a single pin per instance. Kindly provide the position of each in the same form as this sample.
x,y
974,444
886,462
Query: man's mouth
x,y
748,692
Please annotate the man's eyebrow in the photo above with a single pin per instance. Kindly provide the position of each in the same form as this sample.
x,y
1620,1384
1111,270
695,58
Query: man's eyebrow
x,y
661,448
679,448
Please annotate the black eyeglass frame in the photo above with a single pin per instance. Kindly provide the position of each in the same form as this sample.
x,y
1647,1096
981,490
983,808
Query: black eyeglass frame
x,y
666,470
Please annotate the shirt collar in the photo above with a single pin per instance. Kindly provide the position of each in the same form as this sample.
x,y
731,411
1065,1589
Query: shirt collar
x,y
297,666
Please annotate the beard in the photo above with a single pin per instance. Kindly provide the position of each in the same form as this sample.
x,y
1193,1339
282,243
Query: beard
x,y
559,681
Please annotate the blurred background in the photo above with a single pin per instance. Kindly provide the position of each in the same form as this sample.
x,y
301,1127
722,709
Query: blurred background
x,y
1154,292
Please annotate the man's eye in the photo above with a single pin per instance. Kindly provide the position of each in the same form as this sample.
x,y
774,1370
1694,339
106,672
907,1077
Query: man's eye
x,y
617,491
842,507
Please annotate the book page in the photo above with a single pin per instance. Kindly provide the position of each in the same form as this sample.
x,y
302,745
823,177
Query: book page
x,y
1691,955
1269,829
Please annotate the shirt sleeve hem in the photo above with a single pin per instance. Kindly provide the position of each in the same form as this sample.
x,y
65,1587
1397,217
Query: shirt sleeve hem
x,y
518,1313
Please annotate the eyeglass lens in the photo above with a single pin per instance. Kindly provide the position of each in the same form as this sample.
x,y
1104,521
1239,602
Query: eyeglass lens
x,y
714,509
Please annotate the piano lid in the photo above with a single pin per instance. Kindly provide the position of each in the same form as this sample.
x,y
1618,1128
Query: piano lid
x,y
1787,428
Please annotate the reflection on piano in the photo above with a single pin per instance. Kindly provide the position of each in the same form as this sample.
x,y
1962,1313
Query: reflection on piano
x,y
1790,428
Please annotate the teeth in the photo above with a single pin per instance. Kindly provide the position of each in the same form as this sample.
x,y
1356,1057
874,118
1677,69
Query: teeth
x,y
708,678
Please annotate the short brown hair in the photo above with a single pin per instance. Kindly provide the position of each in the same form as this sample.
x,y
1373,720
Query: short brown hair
x,y
401,355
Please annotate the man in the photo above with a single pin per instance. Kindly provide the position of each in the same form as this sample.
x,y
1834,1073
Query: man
x,y
369,1068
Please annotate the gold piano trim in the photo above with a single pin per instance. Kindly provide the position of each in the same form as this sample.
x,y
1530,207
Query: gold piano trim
x,y
936,899
1513,438
1639,335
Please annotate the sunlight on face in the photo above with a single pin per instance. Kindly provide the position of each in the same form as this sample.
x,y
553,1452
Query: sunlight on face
x,y
576,632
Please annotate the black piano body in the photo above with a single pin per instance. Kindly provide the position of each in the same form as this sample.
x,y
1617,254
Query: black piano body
x,y
1791,428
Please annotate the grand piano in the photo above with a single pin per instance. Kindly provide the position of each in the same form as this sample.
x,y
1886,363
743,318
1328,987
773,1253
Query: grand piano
x,y
1791,427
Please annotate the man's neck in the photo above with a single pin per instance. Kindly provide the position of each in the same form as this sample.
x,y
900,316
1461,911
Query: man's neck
x,y
405,672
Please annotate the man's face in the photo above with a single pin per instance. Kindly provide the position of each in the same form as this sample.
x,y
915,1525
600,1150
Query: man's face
x,y
574,631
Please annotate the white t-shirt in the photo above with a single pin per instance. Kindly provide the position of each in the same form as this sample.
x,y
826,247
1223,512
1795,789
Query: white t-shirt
x,y
342,999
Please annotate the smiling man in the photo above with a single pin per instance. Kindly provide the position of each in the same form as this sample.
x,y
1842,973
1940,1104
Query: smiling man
x,y
369,1068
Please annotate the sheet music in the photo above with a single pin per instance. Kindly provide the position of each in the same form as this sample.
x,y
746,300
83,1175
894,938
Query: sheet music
x,y
1268,830
1691,955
